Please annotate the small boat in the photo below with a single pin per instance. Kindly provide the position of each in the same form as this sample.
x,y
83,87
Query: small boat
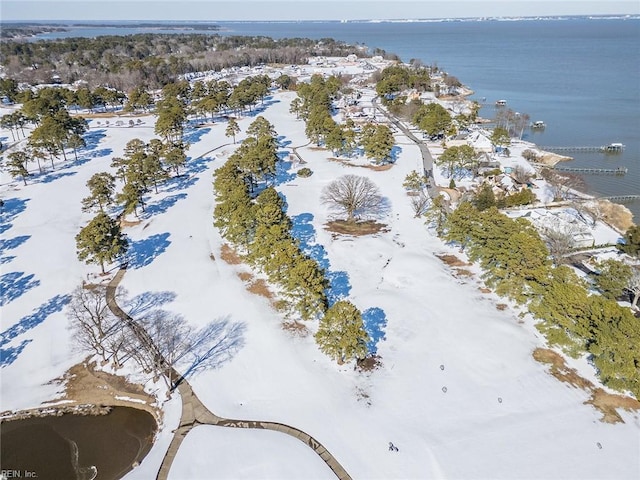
x,y
612,148
539,124
501,103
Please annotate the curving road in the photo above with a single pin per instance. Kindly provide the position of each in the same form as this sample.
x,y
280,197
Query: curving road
x,y
194,412
427,159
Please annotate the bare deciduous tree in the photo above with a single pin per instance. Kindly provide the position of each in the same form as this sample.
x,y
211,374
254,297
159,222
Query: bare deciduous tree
x,y
521,174
93,325
182,347
353,196
559,243
563,184
419,204
634,286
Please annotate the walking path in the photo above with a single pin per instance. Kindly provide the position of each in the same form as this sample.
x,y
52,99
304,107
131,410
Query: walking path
x,y
194,412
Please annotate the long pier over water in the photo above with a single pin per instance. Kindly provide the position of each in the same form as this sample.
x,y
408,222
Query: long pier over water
x,y
611,148
594,171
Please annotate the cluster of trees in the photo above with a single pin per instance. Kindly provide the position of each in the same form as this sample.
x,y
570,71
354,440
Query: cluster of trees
x,y
158,342
254,220
458,160
54,131
152,59
434,120
514,123
314,105
397,78
485,198
142,166
516,263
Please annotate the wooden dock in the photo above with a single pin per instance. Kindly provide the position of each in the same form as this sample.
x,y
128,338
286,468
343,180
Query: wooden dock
x,y
611,148
594,171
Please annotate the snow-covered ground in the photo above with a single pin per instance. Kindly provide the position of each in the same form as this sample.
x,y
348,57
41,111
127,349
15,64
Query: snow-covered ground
x,y
458,391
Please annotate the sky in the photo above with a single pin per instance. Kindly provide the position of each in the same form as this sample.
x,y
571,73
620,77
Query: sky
x,y
221,10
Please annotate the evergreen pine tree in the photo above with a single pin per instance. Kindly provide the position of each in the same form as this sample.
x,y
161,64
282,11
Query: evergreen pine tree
x,y
341,334
102,188
101,241
17,165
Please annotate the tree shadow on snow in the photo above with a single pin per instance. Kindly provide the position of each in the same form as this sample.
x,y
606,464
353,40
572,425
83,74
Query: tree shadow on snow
x,y
147,301
11,208
15,284
12,243
92,139
142,252
9,354
375,322
194,135
303,231
162,206
283,170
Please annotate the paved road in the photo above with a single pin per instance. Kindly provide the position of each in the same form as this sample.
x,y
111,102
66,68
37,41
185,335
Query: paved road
x,y
427,159
195,413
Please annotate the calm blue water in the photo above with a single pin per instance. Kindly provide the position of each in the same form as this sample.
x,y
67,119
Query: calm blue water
x,y
580,76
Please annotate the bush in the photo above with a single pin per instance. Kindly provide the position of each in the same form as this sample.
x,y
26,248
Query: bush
x,y
305,172
523,197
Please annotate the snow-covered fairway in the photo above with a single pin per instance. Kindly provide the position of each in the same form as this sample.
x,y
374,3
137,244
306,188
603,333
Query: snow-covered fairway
x,y
458,391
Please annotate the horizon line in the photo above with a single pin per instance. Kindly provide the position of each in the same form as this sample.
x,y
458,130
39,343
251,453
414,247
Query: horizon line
x,y
634,16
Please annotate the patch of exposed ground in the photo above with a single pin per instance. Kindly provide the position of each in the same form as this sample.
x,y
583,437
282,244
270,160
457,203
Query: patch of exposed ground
x,y
257,286
452,260
606,403
229,255
616,215
377,168
260,287
357,229
84,386
295,329
463,272
129,223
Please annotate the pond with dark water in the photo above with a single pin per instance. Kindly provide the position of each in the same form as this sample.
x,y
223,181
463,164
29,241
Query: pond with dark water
x,y
77,447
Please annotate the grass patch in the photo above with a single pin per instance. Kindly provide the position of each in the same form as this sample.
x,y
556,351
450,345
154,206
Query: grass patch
x,y
245,276
606,403
229,255
356,228
452,260
260,287
296,329
462,272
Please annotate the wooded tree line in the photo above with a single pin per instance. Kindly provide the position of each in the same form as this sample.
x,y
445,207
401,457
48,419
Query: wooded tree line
x,y
516,263
315,106
126,61
55,130
250,214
